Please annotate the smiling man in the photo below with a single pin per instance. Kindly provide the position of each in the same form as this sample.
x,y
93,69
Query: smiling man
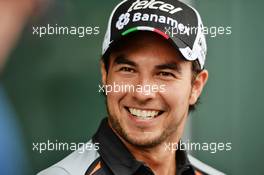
x,y
147,44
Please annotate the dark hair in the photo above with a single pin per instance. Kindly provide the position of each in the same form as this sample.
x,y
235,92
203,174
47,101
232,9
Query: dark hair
x,y
196,69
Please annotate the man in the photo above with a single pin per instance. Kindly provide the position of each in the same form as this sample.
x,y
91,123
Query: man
x,y
153,74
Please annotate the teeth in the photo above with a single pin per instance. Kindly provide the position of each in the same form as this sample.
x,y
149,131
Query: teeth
x,y
143,114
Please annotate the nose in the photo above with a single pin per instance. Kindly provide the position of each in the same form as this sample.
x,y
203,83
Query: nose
x,y
145,90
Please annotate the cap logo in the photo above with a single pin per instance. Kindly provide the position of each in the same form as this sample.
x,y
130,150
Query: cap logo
x,y
123,20
153,4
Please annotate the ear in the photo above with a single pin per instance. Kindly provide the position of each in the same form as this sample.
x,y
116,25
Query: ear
x,y
198,86
103,72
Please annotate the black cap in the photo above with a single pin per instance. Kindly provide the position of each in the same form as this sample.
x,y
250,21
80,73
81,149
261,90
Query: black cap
x,y
174,20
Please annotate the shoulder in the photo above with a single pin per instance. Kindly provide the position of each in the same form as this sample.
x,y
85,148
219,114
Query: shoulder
x,y
203,168
75,163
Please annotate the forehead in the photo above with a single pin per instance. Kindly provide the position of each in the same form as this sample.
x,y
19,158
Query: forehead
x,y
146,44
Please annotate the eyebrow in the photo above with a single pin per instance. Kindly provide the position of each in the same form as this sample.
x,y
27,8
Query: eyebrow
x,y
171,66
123,60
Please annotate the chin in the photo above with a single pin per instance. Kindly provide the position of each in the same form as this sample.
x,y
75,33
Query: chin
x,y
144,139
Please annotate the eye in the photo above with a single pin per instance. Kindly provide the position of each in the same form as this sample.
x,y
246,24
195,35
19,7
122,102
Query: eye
x,y
127,69
166,74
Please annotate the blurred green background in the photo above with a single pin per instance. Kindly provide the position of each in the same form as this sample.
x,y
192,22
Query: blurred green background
x,y
53,83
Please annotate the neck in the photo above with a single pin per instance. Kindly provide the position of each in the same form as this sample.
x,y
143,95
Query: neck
x,y
155,157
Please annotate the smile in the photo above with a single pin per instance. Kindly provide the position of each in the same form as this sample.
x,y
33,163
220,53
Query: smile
x,y
144,114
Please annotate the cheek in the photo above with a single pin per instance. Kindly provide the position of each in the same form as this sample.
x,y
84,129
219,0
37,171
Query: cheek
x,y
114,98
116,92
177,96
113,106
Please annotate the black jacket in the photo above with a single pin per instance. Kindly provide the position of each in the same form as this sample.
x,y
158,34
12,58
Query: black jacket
x,y
113,158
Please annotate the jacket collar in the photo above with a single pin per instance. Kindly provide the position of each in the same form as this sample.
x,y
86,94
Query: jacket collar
x,y
118,158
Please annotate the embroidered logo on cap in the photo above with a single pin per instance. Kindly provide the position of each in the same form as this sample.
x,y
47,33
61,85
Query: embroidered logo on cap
x,y
153,4
123,20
